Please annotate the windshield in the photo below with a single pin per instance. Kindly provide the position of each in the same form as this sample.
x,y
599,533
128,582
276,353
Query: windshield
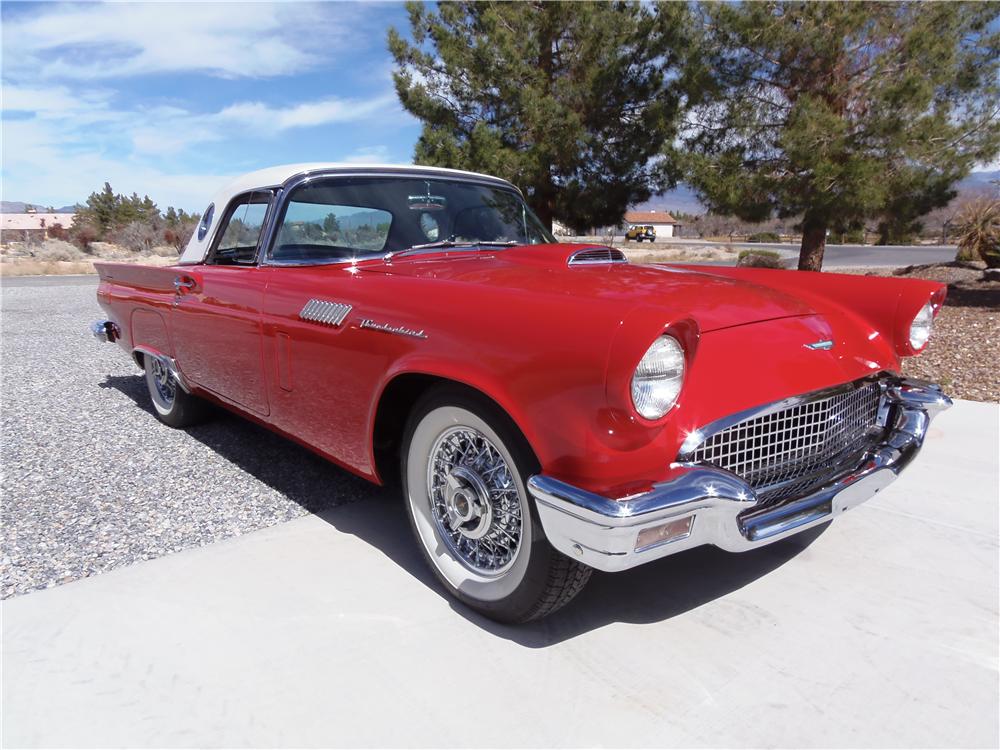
x,y
344,218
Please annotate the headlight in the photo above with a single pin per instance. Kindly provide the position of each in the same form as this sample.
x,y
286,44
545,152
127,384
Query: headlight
x,y
920,328
658,378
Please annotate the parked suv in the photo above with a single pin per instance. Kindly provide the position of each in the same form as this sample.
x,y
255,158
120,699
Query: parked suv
x,y
640,233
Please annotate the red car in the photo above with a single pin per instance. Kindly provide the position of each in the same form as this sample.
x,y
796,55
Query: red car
x,y
548,409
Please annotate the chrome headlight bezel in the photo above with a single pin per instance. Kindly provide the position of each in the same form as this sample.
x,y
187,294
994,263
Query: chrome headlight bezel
x,y
658,378
921,326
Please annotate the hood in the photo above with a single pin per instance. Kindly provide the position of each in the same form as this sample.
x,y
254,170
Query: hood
x,y
543,271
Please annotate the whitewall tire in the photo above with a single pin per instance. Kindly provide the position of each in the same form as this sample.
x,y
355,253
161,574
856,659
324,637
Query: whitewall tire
x,y
464,470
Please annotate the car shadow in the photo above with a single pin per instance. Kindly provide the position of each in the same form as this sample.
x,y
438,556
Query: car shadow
x,y
655,592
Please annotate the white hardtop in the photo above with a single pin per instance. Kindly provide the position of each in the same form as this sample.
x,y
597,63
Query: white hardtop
x,y
272,177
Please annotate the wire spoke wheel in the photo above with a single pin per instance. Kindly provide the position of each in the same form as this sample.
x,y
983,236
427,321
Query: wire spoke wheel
x,y
163,381
464,467
474,501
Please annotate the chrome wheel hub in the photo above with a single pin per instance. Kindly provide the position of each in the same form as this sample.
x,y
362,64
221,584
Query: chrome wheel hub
x,y
467,503
474,501
164,382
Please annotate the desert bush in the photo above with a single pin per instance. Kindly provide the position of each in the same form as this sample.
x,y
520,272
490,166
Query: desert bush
x,y
979,232
137,236
82,234
108,251
51,250
164,251
764,237
58,232
759,259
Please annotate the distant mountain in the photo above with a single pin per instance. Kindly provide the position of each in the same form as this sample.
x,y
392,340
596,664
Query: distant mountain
x,y
683,198
361,219
16,207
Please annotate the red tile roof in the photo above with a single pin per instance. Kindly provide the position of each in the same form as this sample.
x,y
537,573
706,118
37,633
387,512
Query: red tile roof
x,y
649,217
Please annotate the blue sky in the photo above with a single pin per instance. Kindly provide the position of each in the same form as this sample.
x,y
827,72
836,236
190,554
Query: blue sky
x,y
172,99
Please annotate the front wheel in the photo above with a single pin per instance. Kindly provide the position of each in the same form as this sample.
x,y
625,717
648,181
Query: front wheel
x,y
464,471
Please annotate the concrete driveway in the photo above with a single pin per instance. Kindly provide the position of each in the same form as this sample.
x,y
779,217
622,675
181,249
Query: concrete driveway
x,y
880,630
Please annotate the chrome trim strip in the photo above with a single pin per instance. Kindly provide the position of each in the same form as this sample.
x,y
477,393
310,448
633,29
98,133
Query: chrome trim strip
x,y
280,200
168,362
597,255
821,345
602,532
325,312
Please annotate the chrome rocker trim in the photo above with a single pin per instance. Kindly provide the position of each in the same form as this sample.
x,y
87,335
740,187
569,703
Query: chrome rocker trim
x,y
603,532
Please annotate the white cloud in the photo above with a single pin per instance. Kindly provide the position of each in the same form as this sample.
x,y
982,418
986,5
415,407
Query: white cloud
x,y
260,116
68,125
73,143
95,41
370,155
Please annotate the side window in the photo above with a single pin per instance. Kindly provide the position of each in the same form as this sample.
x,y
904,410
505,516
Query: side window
x,y
240,231
325,232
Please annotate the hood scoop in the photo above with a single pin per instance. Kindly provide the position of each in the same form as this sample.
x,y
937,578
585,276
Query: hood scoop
x,y
596,256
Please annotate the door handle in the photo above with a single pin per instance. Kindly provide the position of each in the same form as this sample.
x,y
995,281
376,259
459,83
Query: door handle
x,y
183,282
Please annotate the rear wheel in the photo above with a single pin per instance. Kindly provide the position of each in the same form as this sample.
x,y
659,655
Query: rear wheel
x,y
173,405
464,472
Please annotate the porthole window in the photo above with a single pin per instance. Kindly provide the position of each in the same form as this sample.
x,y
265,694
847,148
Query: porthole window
x,y
206,222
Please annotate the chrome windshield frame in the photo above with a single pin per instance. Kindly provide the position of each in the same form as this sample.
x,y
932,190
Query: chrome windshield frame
x,y
282,196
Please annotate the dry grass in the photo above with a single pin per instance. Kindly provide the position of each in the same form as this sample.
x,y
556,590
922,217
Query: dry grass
x,y
32,267
679,254
35,267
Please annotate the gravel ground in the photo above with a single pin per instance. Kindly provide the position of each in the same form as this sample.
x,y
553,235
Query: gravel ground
x,y
91,481
964,351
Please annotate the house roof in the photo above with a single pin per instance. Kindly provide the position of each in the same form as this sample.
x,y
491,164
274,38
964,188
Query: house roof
x,y
35,221
649,217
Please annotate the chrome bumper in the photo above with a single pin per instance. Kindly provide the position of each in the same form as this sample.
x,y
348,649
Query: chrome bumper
x,y
105,330
703,504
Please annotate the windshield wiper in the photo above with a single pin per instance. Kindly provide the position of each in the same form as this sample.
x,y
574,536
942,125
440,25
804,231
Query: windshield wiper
x,y
447,244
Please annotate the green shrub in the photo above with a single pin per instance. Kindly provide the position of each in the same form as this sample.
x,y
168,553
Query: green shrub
x,y
759,259
764,237
851,237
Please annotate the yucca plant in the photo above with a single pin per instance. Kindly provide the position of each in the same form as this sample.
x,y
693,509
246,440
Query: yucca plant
x,y
979,232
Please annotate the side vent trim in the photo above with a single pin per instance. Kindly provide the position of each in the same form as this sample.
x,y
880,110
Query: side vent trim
x,y
327,313
597,256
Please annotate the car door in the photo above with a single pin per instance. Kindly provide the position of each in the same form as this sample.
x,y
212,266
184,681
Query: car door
x,y
215,320
323,366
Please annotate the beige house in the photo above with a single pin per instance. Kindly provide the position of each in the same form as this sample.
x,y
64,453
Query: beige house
x,y
32,225
664,224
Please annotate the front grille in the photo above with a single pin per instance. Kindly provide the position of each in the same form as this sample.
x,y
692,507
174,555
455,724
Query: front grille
x,y
785,454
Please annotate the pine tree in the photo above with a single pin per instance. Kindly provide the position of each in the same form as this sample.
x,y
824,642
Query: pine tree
x,y
100,210
838,112
569,101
